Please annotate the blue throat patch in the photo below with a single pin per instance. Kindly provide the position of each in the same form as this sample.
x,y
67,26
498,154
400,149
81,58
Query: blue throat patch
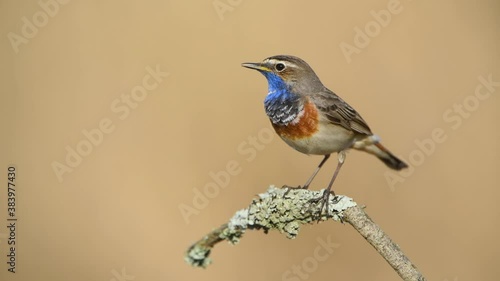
x,y
281,105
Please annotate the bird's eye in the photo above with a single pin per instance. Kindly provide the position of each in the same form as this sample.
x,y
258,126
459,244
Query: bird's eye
x,y
279,67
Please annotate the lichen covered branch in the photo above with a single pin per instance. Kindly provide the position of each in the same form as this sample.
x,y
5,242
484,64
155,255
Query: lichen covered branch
x,y
287,212
270,210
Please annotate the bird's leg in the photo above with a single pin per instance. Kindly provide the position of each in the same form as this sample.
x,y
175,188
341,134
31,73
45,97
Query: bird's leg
x,y
306,186
326,194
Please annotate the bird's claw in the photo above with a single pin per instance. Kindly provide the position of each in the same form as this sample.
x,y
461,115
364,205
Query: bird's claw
x,y
324,199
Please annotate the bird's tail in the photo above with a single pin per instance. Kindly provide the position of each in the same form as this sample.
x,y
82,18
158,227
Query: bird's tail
x,y
385,155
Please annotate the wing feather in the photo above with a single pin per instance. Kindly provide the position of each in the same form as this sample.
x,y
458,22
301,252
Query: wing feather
x,y
339,112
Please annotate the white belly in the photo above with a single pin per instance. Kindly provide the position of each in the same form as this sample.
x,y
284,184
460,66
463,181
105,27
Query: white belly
x,y
328,139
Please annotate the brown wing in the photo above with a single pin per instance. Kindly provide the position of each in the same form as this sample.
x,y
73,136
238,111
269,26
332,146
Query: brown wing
x,y
339,112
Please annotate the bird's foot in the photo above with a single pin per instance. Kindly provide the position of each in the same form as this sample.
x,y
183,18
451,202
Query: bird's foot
x,y
324,199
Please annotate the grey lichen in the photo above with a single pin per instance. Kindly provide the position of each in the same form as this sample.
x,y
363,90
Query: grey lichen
x,y
287,212
198,256
270,210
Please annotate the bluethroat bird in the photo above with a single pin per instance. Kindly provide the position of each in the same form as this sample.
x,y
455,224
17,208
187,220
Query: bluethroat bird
x,y
314,120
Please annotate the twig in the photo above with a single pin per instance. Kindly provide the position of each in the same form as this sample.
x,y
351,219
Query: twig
x,y
273,210
382,243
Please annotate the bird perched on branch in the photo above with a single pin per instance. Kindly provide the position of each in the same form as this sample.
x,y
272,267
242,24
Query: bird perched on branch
x,y
314,120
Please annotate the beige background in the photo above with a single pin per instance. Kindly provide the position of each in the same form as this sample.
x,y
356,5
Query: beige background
x,y
119,208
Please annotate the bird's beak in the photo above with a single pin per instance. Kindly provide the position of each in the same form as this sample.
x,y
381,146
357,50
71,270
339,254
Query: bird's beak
x,y
257,66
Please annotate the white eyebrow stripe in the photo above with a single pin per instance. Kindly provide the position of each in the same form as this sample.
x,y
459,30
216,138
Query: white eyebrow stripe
x,y
287,63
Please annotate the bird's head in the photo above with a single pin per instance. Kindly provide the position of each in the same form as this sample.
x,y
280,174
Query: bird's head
x,y
287,73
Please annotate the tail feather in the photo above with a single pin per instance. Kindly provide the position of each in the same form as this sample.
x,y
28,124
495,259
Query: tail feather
x,y
385,155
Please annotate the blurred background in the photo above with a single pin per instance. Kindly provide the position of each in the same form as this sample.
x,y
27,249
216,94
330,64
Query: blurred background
x,y
123,120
